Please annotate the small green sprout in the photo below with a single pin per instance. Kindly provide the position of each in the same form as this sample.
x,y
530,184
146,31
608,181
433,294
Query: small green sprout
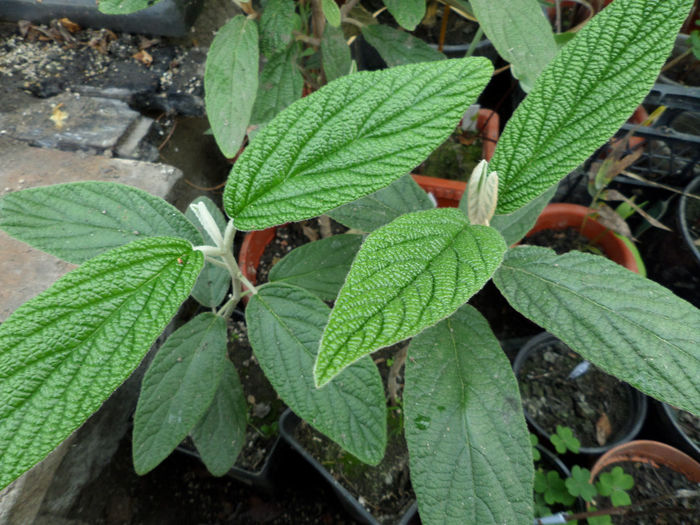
x,y
614,484
564,440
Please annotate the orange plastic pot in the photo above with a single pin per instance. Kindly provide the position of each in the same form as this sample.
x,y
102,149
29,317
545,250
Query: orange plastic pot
x,y
651,452
559,216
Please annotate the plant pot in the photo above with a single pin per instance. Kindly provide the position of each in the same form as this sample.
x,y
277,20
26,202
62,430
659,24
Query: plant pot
x,y
633,413
672,431
579,14
559,216
689,217
288,423
685,71
650,453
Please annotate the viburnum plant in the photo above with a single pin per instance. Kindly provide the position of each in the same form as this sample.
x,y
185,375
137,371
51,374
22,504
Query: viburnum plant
x,y
346,149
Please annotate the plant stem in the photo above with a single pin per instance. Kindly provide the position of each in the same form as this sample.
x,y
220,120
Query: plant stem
x,y
443,27
318,19
347,7
475,41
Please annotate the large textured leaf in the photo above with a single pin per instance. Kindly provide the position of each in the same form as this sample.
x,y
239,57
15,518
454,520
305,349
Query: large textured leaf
x,y
335,53
79,220
319,267
231,82
352,137
124,7
520,33
178,388
515,226
627,325
584,95
398,47
407,276
470,453
284,327
281,84
65,351
382,207
220,434
276,25
408,13
213,281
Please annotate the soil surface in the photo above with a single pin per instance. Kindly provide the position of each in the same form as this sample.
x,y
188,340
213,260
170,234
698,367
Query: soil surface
x,y
651,483
562,241
596,406
455,158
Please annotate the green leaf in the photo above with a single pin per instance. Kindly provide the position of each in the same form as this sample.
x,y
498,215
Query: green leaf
x,y
220,434
398,47
320,266
65,351
578,485
469,450
614,484
564,440
625,324
213,282
584,95
515,226
366,130
598,520
79,220
369,213
178,388
124,7
281,83
331,11
284,327
276,26
407,276
231,82
554,489
520,33
335,52
408,13
536,455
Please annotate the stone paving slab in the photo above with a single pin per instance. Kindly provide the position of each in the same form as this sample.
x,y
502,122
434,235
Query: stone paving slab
x,y
25,272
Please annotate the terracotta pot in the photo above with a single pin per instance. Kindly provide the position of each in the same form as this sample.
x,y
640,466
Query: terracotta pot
x,y
559,215
651,452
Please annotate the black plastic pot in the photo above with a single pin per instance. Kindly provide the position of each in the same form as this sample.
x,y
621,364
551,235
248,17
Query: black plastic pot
x,y
672,433
689,216
262,479
629,430
288,422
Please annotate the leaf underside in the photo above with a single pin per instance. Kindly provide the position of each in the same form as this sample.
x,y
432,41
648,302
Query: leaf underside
x,y
625,324
284,326
178,388
320,266
65,351
369,213
408,13
469,448
398,47
349,139
281,84
584,95
231,82
335,53
408,275
276,26
220,435
79,220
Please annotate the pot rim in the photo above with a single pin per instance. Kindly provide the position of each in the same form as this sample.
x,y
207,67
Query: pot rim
x,y
692,187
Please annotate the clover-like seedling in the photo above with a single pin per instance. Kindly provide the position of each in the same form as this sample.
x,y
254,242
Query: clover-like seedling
x,y
536,456
578,484
553,488
614,485
564,440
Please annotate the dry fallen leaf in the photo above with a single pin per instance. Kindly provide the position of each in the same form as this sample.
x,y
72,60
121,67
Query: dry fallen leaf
x,y
58,116
71,26
602,429
144,57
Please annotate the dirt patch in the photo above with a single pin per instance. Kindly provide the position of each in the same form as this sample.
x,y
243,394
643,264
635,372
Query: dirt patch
x,y
596,406
652,483
562,241
455,158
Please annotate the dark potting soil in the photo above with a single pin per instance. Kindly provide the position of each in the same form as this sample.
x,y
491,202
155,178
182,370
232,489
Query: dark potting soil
x,y
455,158
596,406
562,241
652,483
689,423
